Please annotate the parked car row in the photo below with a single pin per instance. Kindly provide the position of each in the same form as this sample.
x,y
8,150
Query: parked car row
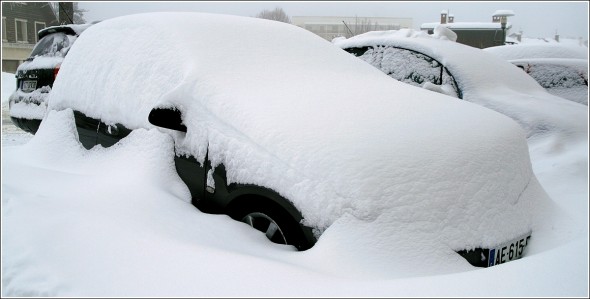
x,y
467,73
289,142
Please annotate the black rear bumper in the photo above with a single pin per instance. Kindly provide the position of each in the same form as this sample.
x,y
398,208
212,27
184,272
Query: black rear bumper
x,y
27,125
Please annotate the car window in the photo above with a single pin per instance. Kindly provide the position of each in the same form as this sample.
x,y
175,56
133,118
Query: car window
x,y
553,76
407,66
56,44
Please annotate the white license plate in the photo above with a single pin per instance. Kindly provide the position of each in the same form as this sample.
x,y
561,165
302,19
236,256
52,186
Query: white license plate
x,y
29,85
509,251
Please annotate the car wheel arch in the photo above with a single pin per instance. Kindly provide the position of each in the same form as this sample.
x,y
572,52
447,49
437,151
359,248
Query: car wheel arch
x,y
279,210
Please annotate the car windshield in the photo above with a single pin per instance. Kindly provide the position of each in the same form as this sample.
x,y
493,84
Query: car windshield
x,y
551,76
56,44
407,66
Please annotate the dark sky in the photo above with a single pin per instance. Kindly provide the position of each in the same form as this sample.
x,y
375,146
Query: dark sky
x,y
535,19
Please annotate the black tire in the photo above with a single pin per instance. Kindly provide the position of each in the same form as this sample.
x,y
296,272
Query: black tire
x,y
272,220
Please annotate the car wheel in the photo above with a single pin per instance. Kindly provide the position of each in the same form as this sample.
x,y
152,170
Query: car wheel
x,y
267,225
270,219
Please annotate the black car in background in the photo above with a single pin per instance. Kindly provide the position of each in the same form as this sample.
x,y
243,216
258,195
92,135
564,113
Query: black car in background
x,y
35,76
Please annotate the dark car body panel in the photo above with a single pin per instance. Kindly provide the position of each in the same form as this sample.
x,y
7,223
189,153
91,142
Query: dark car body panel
x,y
27,125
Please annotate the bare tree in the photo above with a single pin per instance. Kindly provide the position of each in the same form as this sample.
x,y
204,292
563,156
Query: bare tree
x,y
78,13
278,14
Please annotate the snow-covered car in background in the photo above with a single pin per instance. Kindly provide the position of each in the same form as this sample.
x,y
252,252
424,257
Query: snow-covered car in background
x,y
278,128
566,78
561,70
35,76
438,63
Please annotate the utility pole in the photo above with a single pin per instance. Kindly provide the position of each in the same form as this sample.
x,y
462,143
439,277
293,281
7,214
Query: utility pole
x,y
66,13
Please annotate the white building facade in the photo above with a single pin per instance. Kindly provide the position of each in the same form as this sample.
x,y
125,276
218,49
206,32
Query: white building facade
x,y
332,27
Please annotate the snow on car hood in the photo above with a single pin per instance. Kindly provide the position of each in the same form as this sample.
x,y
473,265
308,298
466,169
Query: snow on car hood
x,y
488,81
285,109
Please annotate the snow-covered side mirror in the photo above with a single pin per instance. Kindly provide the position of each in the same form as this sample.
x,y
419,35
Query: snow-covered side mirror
x,y
168,118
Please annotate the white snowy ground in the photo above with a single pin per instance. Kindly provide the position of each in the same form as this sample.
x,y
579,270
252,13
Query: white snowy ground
x,y
102,223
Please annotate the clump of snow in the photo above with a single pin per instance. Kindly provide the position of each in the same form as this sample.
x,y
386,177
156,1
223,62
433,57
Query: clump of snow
x,y
333,149
28,110
443,32
41,62
29,105
503,12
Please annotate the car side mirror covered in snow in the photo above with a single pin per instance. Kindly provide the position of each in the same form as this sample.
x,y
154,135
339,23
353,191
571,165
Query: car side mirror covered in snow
x,y
169,118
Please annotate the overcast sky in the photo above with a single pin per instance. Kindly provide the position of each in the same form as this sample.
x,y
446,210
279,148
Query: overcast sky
x,y
535,19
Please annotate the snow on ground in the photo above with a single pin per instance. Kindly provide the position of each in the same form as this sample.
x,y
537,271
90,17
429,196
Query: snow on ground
x,y
71,236
10,133
8,85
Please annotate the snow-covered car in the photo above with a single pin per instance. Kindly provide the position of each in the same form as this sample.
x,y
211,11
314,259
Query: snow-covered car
x,y
438,63
561,70
35,76
278,128
566,78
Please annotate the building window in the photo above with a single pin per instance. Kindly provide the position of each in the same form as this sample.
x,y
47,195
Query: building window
x,y
38,26
4,29
21,30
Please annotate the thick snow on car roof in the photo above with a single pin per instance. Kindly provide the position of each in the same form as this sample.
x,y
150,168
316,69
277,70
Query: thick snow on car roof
x,y
285,109
486,79
553,50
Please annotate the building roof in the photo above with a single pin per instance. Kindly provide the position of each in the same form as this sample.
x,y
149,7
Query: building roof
x,y
467,25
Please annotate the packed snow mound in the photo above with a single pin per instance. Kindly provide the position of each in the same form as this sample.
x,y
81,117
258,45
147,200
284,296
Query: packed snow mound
x,y
327,131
